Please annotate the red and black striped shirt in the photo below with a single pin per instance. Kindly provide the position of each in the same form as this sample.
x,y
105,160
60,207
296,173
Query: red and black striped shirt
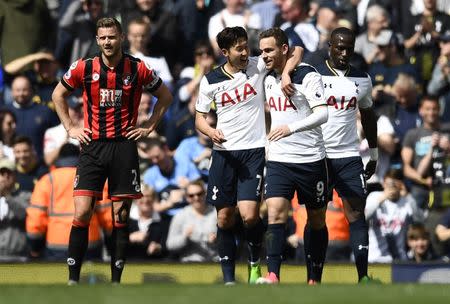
x,y
111,96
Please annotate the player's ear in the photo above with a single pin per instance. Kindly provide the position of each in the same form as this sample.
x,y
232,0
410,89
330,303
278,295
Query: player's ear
x,y
285,49
225,52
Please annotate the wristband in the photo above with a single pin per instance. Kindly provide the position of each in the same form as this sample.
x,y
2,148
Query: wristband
x,y
373,152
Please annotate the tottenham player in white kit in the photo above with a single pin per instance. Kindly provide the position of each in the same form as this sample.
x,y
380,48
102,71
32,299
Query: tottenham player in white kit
x,y
346,91
238,157
296,156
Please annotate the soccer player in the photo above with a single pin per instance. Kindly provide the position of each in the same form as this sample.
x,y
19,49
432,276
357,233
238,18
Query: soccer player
x,y
346,91
296,156
112,84
239,139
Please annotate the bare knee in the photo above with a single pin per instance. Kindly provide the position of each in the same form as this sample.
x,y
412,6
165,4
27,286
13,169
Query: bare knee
x,y
121,212
250,219
225,218
83,209
354,209
316,218
277,210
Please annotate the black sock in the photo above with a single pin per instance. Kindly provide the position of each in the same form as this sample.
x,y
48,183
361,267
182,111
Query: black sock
x,y
359,240
78,243
307,247
254,237
275,240
319,245
120,237
226,243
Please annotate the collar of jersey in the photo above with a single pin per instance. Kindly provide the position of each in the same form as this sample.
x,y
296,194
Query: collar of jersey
x,y
222,69
334,71
116,68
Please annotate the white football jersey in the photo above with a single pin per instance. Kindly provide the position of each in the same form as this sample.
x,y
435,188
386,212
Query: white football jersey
x,y
345,91
300,147
239,100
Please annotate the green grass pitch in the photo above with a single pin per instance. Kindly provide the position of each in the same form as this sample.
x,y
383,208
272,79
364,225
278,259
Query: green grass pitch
x,y
200,284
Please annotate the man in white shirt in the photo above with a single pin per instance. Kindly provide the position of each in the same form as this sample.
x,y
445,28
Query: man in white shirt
x,y
296,156
346,91
234,14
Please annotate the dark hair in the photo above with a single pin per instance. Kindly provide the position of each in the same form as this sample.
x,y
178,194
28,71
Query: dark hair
x,y
204,44
151,142
429,98
140,21
68,150
89,2
22,139
109,22
302,4
3,114
394,174
277,33
417,231
229,36
342,31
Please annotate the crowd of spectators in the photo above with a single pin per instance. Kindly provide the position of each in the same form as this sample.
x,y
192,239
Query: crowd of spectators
x,y
403,45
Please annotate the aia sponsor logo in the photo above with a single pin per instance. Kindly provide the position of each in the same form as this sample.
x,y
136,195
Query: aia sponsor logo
x,y
342,103
242,94
279,104
110,98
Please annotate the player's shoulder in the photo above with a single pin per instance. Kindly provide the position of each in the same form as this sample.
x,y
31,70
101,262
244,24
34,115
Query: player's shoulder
x,y
217,75
301,71
356,73
132,58
88,58
324,69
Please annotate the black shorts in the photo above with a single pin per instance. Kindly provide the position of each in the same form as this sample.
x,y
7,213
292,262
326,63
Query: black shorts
x,y
346,175
309,180
115,161
235,176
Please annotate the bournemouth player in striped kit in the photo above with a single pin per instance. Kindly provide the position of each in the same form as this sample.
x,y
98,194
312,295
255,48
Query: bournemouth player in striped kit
x,y
112,83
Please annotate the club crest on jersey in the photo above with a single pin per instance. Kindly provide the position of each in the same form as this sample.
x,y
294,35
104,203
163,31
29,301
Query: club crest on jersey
x,y
279,104
238,95
110,98
342,104
126,79
95,76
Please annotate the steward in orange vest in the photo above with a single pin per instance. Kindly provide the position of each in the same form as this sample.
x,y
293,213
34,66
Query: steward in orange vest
x,y
51,210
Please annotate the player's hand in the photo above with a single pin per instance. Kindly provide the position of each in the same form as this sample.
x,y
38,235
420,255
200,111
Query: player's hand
x,y
370,169
137,236
293,240
217,136
154,248
286,85
83,135
136,133
278,133
212,237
